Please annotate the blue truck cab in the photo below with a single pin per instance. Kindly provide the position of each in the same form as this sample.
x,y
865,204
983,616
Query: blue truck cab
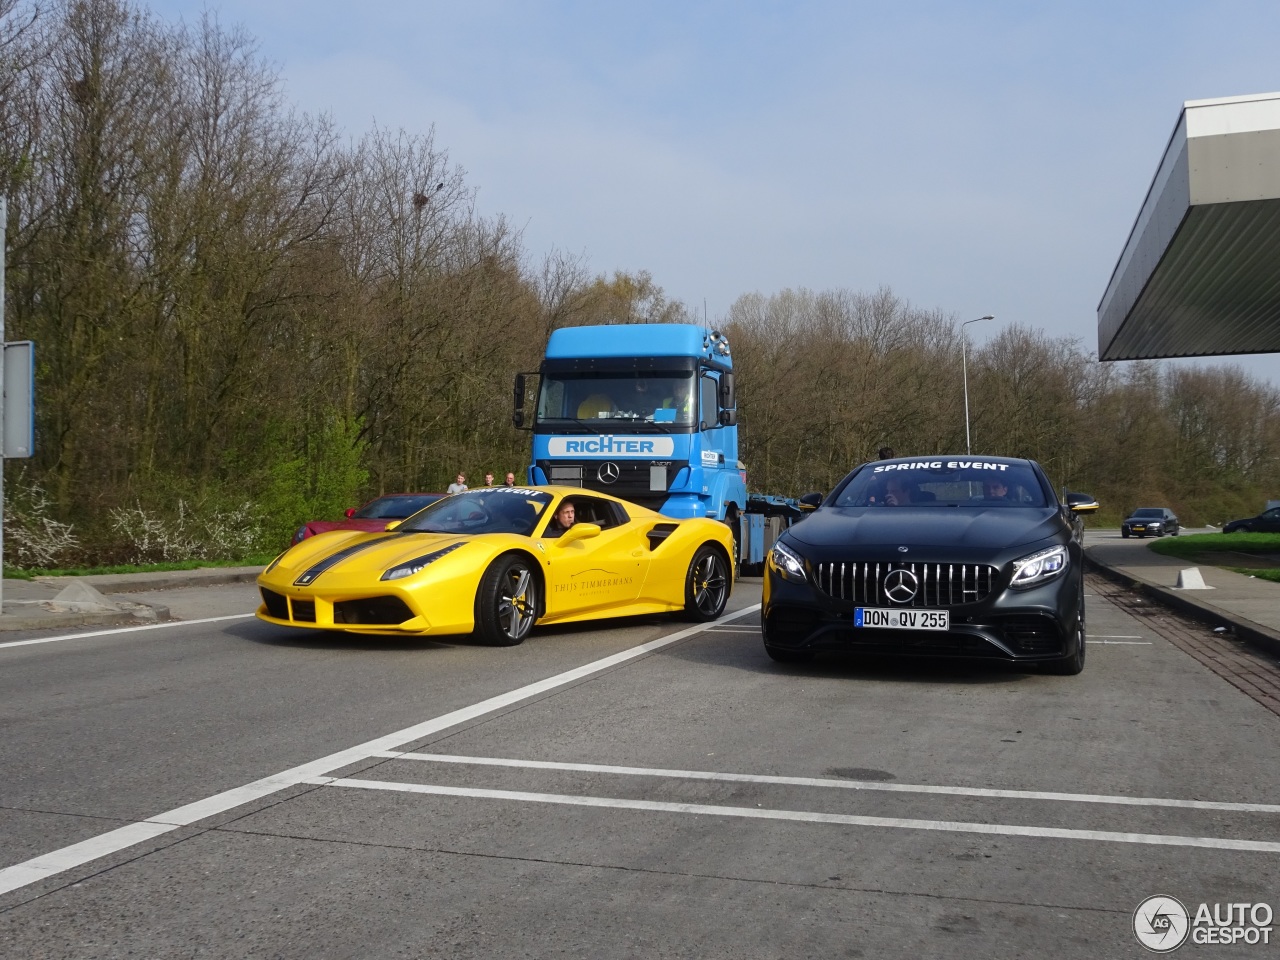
x,y
642,411
647,412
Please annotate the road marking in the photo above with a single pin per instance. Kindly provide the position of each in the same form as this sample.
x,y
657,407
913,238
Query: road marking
x,y
1119,640
804,816
1114,636
838,784
107,633
50,864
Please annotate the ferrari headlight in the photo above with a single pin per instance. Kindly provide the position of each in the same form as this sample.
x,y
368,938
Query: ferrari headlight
x,y
410,567
788,562
1039,567
272,565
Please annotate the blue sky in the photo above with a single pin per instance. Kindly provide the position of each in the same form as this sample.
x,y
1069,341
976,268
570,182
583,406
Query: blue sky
x,y
977,158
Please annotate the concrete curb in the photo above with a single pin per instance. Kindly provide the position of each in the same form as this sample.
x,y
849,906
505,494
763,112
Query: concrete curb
x,y
1254,634
168,580
66,603
50,621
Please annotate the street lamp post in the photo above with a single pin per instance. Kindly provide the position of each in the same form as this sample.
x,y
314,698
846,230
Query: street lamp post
x,y
964,370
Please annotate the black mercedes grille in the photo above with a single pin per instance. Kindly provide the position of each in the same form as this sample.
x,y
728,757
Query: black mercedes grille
x,y
938,584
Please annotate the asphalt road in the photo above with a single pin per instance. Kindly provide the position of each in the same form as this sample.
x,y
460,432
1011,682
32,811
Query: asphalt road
x,y
688,799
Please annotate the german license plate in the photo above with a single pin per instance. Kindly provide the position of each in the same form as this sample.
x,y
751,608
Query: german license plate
x,y
889,619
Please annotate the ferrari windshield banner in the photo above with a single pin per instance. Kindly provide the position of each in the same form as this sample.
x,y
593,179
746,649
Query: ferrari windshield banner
x,y
609,445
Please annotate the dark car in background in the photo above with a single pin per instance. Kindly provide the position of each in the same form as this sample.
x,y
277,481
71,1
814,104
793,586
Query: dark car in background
x,y
1150,522
373,516
945,556
1266,522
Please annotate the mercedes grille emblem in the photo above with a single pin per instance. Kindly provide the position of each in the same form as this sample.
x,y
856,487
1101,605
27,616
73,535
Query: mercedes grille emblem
x,y
900,585
608,472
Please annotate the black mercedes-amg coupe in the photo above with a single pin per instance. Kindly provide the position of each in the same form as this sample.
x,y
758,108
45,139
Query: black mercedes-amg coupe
x,y
940,556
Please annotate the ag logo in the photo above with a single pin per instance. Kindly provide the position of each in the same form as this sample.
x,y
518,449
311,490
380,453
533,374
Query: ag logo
x,y
1161,924
608,472
900,585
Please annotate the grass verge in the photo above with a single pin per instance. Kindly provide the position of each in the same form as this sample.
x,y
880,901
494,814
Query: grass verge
x,y
11,573
1264,544
1262,573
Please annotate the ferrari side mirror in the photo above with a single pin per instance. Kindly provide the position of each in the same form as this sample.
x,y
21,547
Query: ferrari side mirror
x,y
579,531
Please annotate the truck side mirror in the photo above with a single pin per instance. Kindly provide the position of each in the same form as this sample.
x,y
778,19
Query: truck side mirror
x,y
728,418
726,395
517,414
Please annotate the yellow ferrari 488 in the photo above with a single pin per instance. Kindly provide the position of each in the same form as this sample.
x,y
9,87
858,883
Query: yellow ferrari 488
x,y
498,560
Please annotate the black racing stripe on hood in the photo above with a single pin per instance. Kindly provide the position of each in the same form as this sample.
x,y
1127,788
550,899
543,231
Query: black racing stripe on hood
x,y
308,577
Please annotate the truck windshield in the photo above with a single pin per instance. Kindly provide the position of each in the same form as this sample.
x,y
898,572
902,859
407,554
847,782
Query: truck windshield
x,y
643,396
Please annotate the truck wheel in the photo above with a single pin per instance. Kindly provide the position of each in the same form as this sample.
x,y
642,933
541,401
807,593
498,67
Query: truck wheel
x,y
735,527
706,585
507,602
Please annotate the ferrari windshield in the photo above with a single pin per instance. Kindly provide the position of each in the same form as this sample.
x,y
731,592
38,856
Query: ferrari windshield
x,y
650,396
944,482
489,510
394,506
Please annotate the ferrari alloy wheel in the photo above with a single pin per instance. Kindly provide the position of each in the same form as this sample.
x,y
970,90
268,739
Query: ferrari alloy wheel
x,y
706,586
507,602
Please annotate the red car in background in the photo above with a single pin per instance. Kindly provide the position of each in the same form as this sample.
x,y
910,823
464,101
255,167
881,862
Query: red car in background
x,y
374,515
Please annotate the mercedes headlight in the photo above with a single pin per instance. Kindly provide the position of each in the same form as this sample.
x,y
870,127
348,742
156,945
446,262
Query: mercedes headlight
x,y
1039,567
410,567
788,562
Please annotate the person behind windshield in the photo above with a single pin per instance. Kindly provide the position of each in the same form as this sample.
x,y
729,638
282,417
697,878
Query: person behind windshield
x,y
996,489
677,396
563,519
897,492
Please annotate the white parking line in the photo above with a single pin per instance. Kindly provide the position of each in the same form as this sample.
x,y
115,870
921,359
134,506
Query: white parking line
x,y
805,816
51,864
107,633
838,784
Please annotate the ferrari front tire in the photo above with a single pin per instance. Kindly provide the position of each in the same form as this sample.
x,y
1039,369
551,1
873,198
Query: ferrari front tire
x,y
507,602
707,584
